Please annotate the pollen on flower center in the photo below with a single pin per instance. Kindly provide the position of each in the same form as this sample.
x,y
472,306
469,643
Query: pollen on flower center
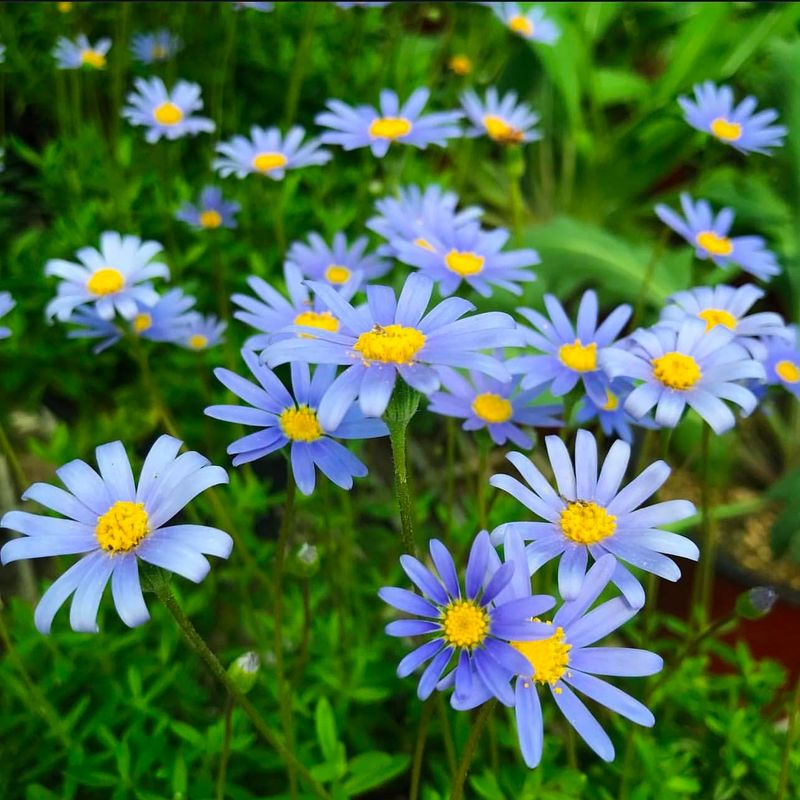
x,y
463,262
676,370
717,316
105,280
726,130
585,522
492,407
390,127
300,424
714,244
197,341
323,320
549,658
578,356
499,130
337,274
122,527
425,245
264,162
612,401
464,624
93,59
159,51
142,322
210,218
390,344
521,25
788,371
167,114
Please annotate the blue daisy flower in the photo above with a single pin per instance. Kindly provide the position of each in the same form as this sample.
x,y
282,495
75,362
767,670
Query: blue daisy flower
x,y
240,5
590,515
388,337
405,216
291,418
708,234
686,366
81,53
498,406
713,111
2,54
365,126
569,354
468,624
7,302
211,212
166,113
112,278
202,332
451,254
268,153
338,264
532,24
115,523
500,118
781,360
613,418
151,48
273,312
728,306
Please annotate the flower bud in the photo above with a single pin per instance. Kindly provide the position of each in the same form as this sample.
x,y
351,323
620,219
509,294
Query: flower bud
x,y
756,602
244,671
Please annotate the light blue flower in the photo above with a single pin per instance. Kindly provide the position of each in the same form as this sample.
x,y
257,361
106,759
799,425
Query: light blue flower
x,y
782,360
240,5
686,366
151,48
569,354
365,126
113,278
116,523
708,234
202,332
500,118
713,111
7,302
166,113
339,264
80,53
613,418
531,24
590,515
291,418
267,153
388,337
272,312
2,54
498,406
211,212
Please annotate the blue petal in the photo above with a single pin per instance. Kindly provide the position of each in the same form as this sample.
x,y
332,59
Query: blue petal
x,y
581,719
127,591
86,601
445,566
617,661
476,564
411,627
407,601
429,679
612,698
175,557
530,731
61,589
419,656
423,579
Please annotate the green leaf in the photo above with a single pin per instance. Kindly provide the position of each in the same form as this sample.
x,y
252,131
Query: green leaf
x,y
373,769
326,729
618,86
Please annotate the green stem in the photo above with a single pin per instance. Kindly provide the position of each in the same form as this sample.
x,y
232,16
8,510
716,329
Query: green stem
x,y
450,478
649,274
419,749
484,445
791,733
301,60
447,733
226,750
197,643
469,750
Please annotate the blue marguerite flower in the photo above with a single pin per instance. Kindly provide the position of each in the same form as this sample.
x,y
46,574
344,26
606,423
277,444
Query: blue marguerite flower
x,y
708,234
81,53
388,337
500,118
268,153
253,6
713,111
686,366
590,515
466,624
365,126
211,211
569,354
781,360
116,522
291,418
151,48
166,113
498,406
613,418
202,332
7,302
532,24
112,278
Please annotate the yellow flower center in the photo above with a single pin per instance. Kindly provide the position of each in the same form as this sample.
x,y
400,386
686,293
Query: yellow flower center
x,y
499,130
725,130
167,114
159,51
676,370
585,522
390,127
93,59
464,624
323,320
122,527
265,162
578,356
300,424
612,401
105,280
336,273
142,322
390,344
549,658
717,316
210,218
461,65
788,371
464,262
491,407
521,25
64,8
425,245
716,245
197,341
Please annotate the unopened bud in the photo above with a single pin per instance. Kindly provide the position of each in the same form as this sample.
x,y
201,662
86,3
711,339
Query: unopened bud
x,y
756,602
244,671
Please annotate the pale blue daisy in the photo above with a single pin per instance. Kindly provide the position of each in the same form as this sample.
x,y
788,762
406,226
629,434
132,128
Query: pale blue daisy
x,y
211,212
7,302
81,53
500,118
202,332
782,360
338,263
151,48
531,24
